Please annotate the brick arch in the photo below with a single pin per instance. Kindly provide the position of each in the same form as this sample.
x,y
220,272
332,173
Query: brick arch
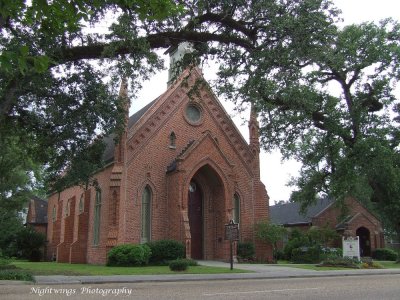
x,y
216,192
221,174
146,182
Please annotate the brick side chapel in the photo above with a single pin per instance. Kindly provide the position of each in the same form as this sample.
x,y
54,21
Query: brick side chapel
x,y
181,171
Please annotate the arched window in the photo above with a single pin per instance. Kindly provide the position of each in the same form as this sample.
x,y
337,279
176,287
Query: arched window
x,y
146,214
96,225
81,204
236,209
172,140
54,216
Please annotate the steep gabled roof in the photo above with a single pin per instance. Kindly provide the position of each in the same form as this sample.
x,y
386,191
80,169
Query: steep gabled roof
x,y
109,140
289,213
40,207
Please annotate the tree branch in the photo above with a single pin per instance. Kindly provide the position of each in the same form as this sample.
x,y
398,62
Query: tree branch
x,y
157,40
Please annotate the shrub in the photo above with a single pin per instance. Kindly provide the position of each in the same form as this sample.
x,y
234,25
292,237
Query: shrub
x,y
129,255
279,254
29,243
306,255
246,250
15,275
327,253
163,251
5,264
178,265
384,254
297,242
345,262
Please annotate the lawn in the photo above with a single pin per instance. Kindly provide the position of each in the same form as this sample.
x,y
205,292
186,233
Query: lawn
x,y
53,268
385,264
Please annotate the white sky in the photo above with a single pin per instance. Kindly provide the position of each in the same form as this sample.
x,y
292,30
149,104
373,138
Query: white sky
x,y
274,173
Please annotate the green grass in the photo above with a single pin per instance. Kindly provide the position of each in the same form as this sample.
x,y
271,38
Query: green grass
x,y
385,264
389,264
53,268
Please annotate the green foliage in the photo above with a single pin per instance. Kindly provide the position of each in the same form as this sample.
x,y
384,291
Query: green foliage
x,y
58,81
322,236
331,253
371,265
270,233
190,262
296,241
306,255
246,250
384,254
15,275
5,263
10,226
178,265
340,262
129,255
30,244
163,251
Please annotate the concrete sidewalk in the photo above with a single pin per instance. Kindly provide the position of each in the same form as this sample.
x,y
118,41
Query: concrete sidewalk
x,y
258,271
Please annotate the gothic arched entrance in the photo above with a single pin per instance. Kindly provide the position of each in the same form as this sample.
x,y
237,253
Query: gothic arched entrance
x,y
206,214
195,214
365,241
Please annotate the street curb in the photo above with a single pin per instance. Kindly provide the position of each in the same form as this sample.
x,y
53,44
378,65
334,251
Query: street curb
x,y
193,277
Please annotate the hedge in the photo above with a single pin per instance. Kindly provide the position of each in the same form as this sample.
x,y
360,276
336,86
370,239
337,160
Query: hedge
x,y
246,250
384,254
129,255
306,255
163,251
178,265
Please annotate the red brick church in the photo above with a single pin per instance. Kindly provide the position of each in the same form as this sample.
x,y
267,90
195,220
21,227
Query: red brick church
x,y
181,171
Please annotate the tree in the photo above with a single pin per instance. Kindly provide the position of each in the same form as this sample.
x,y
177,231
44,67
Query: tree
x,y
58,80
270,233
322,236
333,108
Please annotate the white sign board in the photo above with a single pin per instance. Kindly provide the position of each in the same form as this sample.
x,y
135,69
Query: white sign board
x,y
351,247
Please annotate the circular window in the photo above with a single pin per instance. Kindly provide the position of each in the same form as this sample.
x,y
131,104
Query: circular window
x,y
193,114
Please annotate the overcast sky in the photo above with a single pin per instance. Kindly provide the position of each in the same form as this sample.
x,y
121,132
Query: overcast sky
x,y
274,173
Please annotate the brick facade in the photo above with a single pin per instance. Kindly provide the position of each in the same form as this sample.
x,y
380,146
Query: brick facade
x,y
164,151
350,220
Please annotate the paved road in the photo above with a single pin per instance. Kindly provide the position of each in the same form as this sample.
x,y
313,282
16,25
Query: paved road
x,y
374,287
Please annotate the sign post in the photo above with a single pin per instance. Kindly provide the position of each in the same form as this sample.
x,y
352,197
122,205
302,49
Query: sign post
x,y
231,234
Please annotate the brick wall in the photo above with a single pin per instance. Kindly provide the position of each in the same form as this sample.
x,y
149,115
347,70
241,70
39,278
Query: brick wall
x,y
219,158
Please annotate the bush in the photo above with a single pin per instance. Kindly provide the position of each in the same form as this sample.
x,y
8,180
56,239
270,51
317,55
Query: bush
x,y
163,251
129,255
345,262
29,243
15,275
178,265
306,255
327,253
279,254
297,242
5,264
384,254
246,250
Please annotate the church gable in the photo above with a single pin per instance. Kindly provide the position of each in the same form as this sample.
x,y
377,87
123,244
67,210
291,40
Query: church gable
x,y
176,100
208,148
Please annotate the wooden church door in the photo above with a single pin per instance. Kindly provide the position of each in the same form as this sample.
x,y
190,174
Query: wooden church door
x,y
195,212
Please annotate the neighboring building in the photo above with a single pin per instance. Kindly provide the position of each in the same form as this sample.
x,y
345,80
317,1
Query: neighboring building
x,y
358,221
37,215
181,171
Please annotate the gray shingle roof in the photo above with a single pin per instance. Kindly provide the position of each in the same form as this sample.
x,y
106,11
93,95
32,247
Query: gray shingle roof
x,y
289,213
108,154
